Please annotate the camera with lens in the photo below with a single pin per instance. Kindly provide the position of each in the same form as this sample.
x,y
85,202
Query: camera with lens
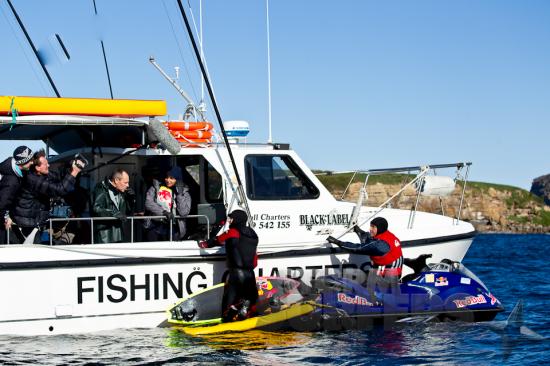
x,y
80,161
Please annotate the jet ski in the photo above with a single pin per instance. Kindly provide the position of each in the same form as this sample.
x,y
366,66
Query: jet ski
x,y
437,291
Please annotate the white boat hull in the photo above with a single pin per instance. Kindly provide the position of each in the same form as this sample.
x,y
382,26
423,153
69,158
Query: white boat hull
x,y
91,292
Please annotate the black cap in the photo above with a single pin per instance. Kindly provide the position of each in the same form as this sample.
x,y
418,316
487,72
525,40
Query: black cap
x,y
22,155
380,223
175,172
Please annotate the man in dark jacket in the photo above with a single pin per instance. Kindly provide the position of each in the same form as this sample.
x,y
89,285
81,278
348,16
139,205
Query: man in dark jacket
x,y
384,249
11,173
32,206
112,199
240,292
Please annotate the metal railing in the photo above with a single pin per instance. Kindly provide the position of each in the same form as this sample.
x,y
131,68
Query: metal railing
x,y
129,218
417,180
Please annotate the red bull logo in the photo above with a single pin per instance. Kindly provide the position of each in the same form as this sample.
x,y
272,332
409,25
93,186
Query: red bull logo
x,y
356,300
470,300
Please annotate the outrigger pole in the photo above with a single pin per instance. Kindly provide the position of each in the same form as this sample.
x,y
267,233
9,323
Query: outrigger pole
x,y
240,189
34,49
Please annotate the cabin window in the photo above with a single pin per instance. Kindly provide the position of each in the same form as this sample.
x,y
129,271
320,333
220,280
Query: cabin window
x,y
213,183
277,177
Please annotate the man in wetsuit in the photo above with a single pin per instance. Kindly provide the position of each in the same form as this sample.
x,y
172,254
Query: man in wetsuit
x,y
240,292
384,249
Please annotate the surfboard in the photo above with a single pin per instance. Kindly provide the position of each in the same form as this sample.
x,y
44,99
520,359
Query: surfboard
x,y
258,322
81,106
204,307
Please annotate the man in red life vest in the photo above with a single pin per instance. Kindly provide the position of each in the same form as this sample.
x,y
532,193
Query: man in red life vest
x,y
240,292
384,250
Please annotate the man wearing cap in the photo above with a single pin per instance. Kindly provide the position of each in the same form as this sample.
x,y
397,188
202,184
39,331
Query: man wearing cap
x,y
12,171
240,292
32,206
384,249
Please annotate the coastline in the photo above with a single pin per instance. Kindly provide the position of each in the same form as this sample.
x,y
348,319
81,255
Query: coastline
x,y
491,208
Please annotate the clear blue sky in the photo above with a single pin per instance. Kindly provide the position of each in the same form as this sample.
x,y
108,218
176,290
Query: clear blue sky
x,y
356,84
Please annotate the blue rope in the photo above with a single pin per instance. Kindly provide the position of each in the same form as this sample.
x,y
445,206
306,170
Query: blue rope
x,y
14,113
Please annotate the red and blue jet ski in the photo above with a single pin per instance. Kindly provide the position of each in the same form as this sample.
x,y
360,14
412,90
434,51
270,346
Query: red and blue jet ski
x,y
438,291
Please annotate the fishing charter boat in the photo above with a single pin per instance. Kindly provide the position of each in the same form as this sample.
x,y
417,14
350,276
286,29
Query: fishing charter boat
x,y
49,289
58,288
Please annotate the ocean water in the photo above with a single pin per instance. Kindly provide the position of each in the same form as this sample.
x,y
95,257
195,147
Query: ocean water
x,y
512,266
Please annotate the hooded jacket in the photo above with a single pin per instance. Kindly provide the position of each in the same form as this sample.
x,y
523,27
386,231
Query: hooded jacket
x,y
182,207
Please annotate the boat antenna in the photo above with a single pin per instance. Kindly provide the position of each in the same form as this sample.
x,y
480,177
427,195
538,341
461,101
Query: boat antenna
x,y
191,109
34,49
269,139
105,59
201,104
107,69
240,189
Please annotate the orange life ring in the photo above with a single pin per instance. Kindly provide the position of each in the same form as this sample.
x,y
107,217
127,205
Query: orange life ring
x,y
194,141
188,126
196,134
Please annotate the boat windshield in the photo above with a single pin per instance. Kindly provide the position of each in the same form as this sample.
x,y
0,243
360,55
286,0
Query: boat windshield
x,y
456,267
467,273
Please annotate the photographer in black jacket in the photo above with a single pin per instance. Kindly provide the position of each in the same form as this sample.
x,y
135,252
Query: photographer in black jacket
x,y
40,186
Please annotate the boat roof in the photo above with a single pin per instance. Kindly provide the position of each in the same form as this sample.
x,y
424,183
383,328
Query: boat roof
x,y
66,132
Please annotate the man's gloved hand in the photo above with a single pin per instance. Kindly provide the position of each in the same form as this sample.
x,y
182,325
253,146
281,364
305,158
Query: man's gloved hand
x,y
122,217
130,192
333,240
169,215
357,230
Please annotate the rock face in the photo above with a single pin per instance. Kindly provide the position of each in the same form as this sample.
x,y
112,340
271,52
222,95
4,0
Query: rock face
x,y
541,188
488,209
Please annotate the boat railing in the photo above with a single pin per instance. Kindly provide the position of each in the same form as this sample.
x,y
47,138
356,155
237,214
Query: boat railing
x,y
417,180
131,219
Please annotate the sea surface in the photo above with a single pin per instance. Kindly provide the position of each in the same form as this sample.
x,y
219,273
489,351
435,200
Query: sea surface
x,y
512,266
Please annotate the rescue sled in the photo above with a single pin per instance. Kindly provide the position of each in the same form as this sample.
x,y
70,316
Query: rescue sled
x,y
204,307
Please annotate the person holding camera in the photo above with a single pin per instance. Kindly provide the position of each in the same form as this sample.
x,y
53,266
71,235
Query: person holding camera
x,y
40,186
169,199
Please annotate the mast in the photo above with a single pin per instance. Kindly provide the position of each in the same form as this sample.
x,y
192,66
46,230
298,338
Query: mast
x,y
240,189
34,49
105,59
270,138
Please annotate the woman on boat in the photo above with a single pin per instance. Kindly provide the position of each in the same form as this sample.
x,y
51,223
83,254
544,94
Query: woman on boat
x,y
169,199
240,292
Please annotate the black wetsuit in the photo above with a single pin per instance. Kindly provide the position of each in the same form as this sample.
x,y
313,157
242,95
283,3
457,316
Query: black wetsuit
x,y
241,242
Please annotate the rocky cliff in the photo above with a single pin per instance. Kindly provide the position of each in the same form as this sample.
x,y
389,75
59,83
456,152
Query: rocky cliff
x,y
541,188
489,207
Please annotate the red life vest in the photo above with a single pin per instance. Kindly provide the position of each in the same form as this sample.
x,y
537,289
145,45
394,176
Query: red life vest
x,y
394,254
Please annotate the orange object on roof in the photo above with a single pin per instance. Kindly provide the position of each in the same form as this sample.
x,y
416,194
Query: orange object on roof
x,y
188,126
195,134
